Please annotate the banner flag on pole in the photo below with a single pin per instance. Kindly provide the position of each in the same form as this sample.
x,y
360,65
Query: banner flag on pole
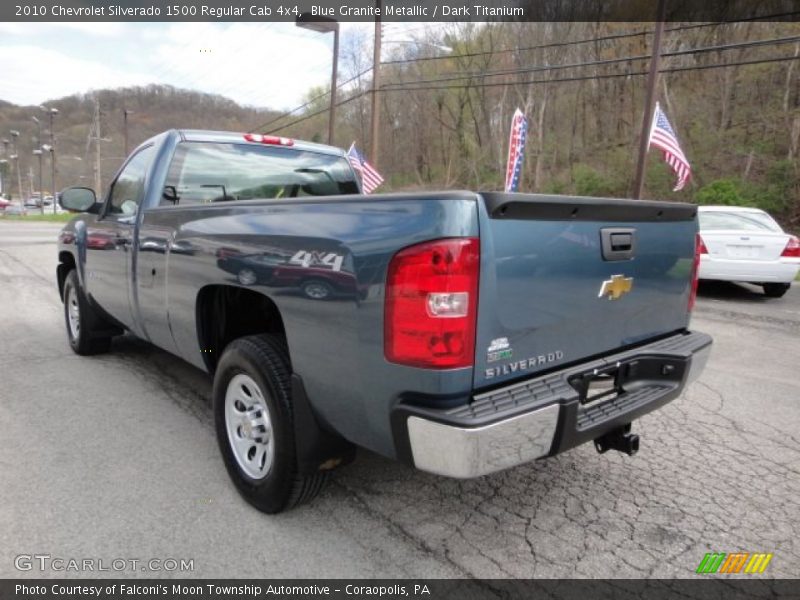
x,y
516,150
663,137
370,178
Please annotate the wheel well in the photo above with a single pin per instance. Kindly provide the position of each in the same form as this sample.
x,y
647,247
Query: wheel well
x,y
225,313
66,262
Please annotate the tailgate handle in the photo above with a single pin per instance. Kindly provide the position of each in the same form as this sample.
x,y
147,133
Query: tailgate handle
x,y
618,243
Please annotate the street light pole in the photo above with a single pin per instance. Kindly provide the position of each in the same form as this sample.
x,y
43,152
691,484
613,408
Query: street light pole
x,y
38,152
3,163
52,112
376,81
6,142
15,157
52,151
326,25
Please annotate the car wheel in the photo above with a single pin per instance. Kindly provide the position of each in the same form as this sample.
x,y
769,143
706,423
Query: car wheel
x,y
84,325
254,425
246,277
316,289
776,290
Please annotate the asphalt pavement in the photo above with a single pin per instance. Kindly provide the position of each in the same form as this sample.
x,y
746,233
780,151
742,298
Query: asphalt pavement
x,y
114,457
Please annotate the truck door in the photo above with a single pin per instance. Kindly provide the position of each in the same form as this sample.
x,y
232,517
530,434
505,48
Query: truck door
x,y
109,240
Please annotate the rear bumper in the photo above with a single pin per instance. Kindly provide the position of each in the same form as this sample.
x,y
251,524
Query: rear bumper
x,y
543,416
783,270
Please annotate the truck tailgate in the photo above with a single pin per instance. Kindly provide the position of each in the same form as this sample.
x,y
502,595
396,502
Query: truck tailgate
x,y
566,278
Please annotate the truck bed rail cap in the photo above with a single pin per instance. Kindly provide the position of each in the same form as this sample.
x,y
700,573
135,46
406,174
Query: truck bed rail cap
x,y
544,207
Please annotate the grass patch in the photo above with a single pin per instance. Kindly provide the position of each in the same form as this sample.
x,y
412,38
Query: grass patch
x,y
47,218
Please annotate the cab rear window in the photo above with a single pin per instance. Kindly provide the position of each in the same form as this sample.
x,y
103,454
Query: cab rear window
x,y
202,173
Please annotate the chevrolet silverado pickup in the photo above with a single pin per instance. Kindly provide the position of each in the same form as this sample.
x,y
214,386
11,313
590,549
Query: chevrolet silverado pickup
x,y
459,332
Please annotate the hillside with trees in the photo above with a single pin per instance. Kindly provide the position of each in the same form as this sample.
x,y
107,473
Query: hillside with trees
x,y
731,91
447,100
151,109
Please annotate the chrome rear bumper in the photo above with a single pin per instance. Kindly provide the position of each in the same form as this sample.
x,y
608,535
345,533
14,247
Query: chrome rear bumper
x,y
544,416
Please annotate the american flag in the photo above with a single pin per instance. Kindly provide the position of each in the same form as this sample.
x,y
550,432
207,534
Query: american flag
x,y
370,178
662,136
516,150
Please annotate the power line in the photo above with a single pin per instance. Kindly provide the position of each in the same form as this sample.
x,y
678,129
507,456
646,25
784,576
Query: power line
x,y
604,38
319,112
311,101
604,62
588,77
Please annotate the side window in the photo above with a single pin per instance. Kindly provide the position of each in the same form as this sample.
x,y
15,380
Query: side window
x,y
128,190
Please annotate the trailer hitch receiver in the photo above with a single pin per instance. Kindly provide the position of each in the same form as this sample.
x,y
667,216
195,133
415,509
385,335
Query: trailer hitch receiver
x,y
620,439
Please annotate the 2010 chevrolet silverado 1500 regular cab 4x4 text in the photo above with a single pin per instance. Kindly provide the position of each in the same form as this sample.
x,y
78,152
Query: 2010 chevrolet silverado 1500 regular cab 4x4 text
x,y
459,332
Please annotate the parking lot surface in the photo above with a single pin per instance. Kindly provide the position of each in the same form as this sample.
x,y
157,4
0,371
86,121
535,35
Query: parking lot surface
x,y
114,457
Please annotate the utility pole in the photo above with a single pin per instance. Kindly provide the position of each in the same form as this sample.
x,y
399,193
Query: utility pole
x,y
650,101
376,81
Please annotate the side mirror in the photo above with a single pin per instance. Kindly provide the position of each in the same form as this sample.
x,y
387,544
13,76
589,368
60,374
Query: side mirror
x,y
78,199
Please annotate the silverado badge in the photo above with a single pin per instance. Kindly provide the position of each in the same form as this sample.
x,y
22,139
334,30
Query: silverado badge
x,y
616,287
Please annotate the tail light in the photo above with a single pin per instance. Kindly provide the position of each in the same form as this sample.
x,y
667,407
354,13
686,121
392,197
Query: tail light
x,y
699,248
792,249
432,303
273,140
701,245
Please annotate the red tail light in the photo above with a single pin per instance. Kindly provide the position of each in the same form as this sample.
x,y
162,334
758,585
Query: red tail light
x,y
699,248
432,303
792,249
268,139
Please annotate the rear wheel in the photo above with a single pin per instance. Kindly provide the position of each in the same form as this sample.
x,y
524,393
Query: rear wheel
x,y
776,290
255,427
84,326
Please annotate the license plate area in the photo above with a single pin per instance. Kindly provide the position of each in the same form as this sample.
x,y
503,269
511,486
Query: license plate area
x,y
742,251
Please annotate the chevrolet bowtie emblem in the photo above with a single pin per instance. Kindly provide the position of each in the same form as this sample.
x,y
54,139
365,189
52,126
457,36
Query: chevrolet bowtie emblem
x,y
616,287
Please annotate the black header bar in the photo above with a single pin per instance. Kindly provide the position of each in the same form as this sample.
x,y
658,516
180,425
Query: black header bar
x,y
440,11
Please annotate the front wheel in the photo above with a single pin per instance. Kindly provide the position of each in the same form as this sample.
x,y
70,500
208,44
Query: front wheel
x,y
255,427
776,290
84,326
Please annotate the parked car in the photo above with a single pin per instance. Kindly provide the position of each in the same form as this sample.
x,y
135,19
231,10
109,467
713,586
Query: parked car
x,y
747,245
15,209
473,331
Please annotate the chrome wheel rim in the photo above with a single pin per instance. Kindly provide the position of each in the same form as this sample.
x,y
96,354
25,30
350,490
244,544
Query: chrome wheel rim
x,y
316,290
73,313
249,426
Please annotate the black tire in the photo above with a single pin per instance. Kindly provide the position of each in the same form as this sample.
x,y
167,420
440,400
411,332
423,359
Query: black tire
x,y
776,290
264,358
91,334
316,289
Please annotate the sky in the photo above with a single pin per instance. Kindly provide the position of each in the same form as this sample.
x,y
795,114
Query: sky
x,y
268,65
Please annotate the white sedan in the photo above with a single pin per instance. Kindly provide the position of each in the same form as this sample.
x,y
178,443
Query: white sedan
x,y
746,244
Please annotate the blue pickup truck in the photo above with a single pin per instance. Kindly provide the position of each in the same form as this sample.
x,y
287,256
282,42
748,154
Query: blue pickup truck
x,y
462,333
